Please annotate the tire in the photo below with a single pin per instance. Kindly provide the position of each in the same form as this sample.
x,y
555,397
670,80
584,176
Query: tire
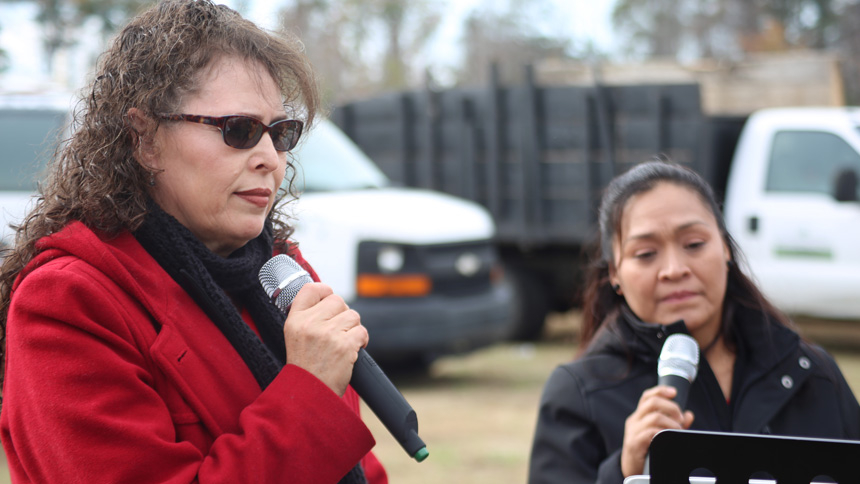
x,y
416,365
532,305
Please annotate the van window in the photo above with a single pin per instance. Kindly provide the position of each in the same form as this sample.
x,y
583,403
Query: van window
x,y
808,161
27,140
327,160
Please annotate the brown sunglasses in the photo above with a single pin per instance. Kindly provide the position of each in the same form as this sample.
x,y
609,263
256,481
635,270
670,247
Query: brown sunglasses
x,y
244,132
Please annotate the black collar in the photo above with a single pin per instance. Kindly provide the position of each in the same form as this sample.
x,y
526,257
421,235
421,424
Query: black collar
x,y
765,341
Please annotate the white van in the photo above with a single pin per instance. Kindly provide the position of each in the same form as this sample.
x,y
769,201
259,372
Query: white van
x,y
419,266
30,125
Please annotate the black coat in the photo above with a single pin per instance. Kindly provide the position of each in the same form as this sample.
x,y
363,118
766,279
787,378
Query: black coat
x,y
782,385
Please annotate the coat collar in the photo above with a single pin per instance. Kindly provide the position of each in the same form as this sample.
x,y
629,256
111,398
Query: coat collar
x,y
765,341
776,362
624,333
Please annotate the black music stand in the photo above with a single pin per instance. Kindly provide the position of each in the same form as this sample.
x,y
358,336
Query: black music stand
x,y
734,458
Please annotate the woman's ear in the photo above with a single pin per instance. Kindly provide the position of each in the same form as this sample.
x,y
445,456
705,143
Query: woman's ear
x,y
143,130
727,253
613,281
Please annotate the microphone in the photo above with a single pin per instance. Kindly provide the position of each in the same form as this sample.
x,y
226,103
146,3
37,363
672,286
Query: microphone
x,y
678,365
282,278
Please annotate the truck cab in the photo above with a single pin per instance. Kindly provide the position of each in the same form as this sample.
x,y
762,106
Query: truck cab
x,y
801,238
419,266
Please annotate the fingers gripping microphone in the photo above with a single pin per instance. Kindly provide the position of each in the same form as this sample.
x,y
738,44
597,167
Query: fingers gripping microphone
x,y
678,365
282,278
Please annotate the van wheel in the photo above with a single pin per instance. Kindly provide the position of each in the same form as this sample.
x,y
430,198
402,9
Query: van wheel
x,y
532,305
415,365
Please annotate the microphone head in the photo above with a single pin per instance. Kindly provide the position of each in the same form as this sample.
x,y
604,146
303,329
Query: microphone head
x,y
679,357
282,278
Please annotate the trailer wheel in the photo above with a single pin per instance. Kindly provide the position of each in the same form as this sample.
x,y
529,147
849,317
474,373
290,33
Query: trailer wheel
x,y
532,305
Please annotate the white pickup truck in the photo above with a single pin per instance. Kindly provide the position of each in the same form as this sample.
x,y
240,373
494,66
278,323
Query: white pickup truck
x,y
419,266
792,205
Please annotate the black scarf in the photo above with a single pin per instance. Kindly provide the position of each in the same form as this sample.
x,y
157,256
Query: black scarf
x,y
216,283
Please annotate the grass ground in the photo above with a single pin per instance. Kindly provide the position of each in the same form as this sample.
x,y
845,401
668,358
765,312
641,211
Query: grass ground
x,y
476,412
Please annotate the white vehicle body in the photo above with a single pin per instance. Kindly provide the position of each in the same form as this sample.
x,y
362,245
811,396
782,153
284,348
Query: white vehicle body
x,y
30,126
337,222
802,245
348,220
349,223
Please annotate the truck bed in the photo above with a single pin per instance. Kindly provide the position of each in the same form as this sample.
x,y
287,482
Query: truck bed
x,y
537,157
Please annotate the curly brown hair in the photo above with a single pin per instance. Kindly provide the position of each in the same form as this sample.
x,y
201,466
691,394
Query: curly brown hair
x,y
153,63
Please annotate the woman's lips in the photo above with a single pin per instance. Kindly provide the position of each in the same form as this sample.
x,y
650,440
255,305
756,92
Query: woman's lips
x,y
678,296
257,196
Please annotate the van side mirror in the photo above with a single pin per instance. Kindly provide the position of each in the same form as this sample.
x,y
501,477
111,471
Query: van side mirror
x,y
845,187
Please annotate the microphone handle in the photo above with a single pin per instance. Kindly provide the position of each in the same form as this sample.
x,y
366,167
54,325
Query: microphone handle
x,y
681,384
389,405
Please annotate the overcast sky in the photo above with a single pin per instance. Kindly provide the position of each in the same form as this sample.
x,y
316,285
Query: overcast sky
x,y
579,20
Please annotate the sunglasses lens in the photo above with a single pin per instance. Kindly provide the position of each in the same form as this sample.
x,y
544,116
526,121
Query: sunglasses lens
x,y
242,132
285,134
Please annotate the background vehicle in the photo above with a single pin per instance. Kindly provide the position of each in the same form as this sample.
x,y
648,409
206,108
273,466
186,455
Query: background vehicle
x,y
538,157
419,266
30,125
791,203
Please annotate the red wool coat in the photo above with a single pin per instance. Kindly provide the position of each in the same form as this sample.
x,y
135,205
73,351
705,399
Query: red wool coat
x,y
95,393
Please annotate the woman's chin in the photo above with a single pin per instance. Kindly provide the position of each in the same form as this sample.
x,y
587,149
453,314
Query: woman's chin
x,y
236,240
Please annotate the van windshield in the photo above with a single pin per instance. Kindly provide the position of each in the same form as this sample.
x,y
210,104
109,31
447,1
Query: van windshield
x,y
327,160
27,138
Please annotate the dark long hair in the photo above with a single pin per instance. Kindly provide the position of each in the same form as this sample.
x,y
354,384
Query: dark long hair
x,y
151,65
600,301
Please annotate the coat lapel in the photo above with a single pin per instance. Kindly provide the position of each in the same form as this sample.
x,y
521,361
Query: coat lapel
x,y
194,357
776,370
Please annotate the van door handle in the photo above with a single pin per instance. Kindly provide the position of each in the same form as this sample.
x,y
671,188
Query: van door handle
x,y
753,224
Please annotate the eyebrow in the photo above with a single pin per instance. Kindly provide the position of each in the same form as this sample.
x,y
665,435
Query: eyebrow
x,y
262,119
652,235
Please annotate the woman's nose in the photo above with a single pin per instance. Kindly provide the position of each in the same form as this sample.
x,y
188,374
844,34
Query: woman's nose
x,y
674,265
265,156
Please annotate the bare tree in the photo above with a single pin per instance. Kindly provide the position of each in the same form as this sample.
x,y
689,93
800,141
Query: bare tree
x,y
343,40
654,26
60,20
507,39
723,28
848,45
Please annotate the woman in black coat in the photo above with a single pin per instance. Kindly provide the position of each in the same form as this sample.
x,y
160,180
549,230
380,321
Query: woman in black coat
x,y
667,265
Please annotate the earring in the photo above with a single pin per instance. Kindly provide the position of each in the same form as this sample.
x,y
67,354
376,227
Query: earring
x,y
616,287
152,179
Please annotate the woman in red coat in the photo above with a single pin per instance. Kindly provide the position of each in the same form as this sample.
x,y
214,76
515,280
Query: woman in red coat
x,y
139,345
